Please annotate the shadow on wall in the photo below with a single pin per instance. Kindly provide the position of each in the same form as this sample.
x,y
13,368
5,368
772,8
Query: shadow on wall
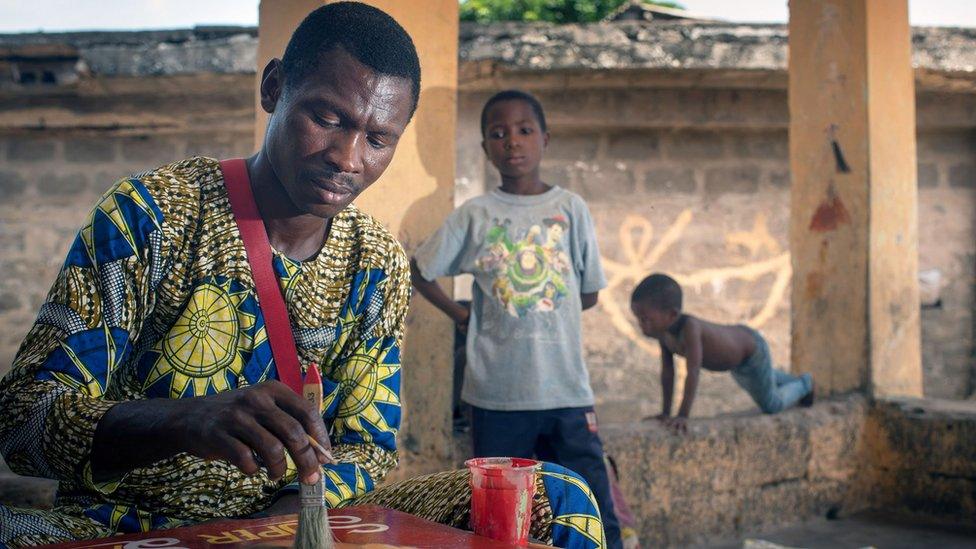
x,y
418,222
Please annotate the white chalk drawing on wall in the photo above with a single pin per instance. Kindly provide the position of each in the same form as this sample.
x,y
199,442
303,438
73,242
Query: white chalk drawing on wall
x,y
641,256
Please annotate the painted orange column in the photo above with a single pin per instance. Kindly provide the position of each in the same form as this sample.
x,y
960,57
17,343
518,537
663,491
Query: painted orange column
x,y
412,198
854,228
895,322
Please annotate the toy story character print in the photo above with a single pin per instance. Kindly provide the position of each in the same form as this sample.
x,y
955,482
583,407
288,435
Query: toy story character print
x,y
529,270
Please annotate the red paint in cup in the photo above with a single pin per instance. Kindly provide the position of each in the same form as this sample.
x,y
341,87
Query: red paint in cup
x,y
501,497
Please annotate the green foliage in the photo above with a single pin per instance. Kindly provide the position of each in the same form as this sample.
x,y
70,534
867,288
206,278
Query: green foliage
x,y
553,11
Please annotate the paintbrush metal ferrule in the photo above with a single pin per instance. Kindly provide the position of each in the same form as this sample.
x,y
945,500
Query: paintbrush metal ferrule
x,y
312,495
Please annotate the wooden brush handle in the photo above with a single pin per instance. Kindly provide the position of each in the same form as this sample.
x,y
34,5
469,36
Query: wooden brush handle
x,y
312,389
313,394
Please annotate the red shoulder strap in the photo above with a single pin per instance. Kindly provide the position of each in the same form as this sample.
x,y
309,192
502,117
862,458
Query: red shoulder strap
x,y
258,249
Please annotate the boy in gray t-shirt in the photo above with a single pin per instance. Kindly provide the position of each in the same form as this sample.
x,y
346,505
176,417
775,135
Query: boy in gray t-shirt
x,y
530,267
532,250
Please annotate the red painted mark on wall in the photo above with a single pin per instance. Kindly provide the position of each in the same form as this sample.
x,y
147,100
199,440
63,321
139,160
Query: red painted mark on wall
x,y
830,214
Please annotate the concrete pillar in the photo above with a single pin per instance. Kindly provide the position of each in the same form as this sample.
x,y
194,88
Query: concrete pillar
x,y
412,199
853,230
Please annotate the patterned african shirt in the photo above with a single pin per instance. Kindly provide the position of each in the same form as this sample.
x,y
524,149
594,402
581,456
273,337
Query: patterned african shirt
x,y
156,300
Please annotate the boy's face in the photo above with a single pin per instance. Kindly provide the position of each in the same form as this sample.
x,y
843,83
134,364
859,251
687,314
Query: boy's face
x,y
654,321
513,139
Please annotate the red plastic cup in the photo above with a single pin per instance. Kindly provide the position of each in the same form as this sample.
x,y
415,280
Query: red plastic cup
x,y
501,497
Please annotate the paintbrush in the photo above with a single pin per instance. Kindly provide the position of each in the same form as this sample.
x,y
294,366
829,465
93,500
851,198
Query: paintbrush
x,y
313,519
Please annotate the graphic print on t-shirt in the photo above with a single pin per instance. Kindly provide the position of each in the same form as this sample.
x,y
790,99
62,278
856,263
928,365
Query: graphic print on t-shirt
x,y
528,269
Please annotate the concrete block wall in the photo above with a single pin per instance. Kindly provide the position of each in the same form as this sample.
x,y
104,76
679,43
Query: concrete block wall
x,y
49,181
698,209
947,244
690,182
696,183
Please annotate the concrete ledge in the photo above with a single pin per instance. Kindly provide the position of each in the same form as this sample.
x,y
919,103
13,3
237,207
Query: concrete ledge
x,y
739,474
751,473
925,457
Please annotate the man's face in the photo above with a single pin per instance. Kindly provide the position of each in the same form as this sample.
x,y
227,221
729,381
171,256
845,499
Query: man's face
x,y
653,321
333,134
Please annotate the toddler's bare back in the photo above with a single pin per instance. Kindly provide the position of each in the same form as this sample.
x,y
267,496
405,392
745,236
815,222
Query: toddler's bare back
x,y
724,346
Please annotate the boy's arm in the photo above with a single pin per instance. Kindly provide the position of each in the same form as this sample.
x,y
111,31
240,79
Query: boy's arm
x,y
667,380
691,335
588,300
433,292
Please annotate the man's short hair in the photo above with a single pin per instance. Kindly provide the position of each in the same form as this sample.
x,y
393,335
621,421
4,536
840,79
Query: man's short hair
x,y
514,95
368,34
660,290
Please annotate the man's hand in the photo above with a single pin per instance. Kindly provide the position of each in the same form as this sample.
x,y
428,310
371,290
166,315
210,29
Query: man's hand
x,y
256,423
241,426
677,425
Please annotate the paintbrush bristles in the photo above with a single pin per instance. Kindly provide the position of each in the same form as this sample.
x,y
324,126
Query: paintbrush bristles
x,y
313,529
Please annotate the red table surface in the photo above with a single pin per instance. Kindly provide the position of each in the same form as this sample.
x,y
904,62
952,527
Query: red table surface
x,y
352,526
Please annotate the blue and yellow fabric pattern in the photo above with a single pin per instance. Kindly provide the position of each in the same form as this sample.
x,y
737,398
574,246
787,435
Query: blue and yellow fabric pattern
x,y
155,300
